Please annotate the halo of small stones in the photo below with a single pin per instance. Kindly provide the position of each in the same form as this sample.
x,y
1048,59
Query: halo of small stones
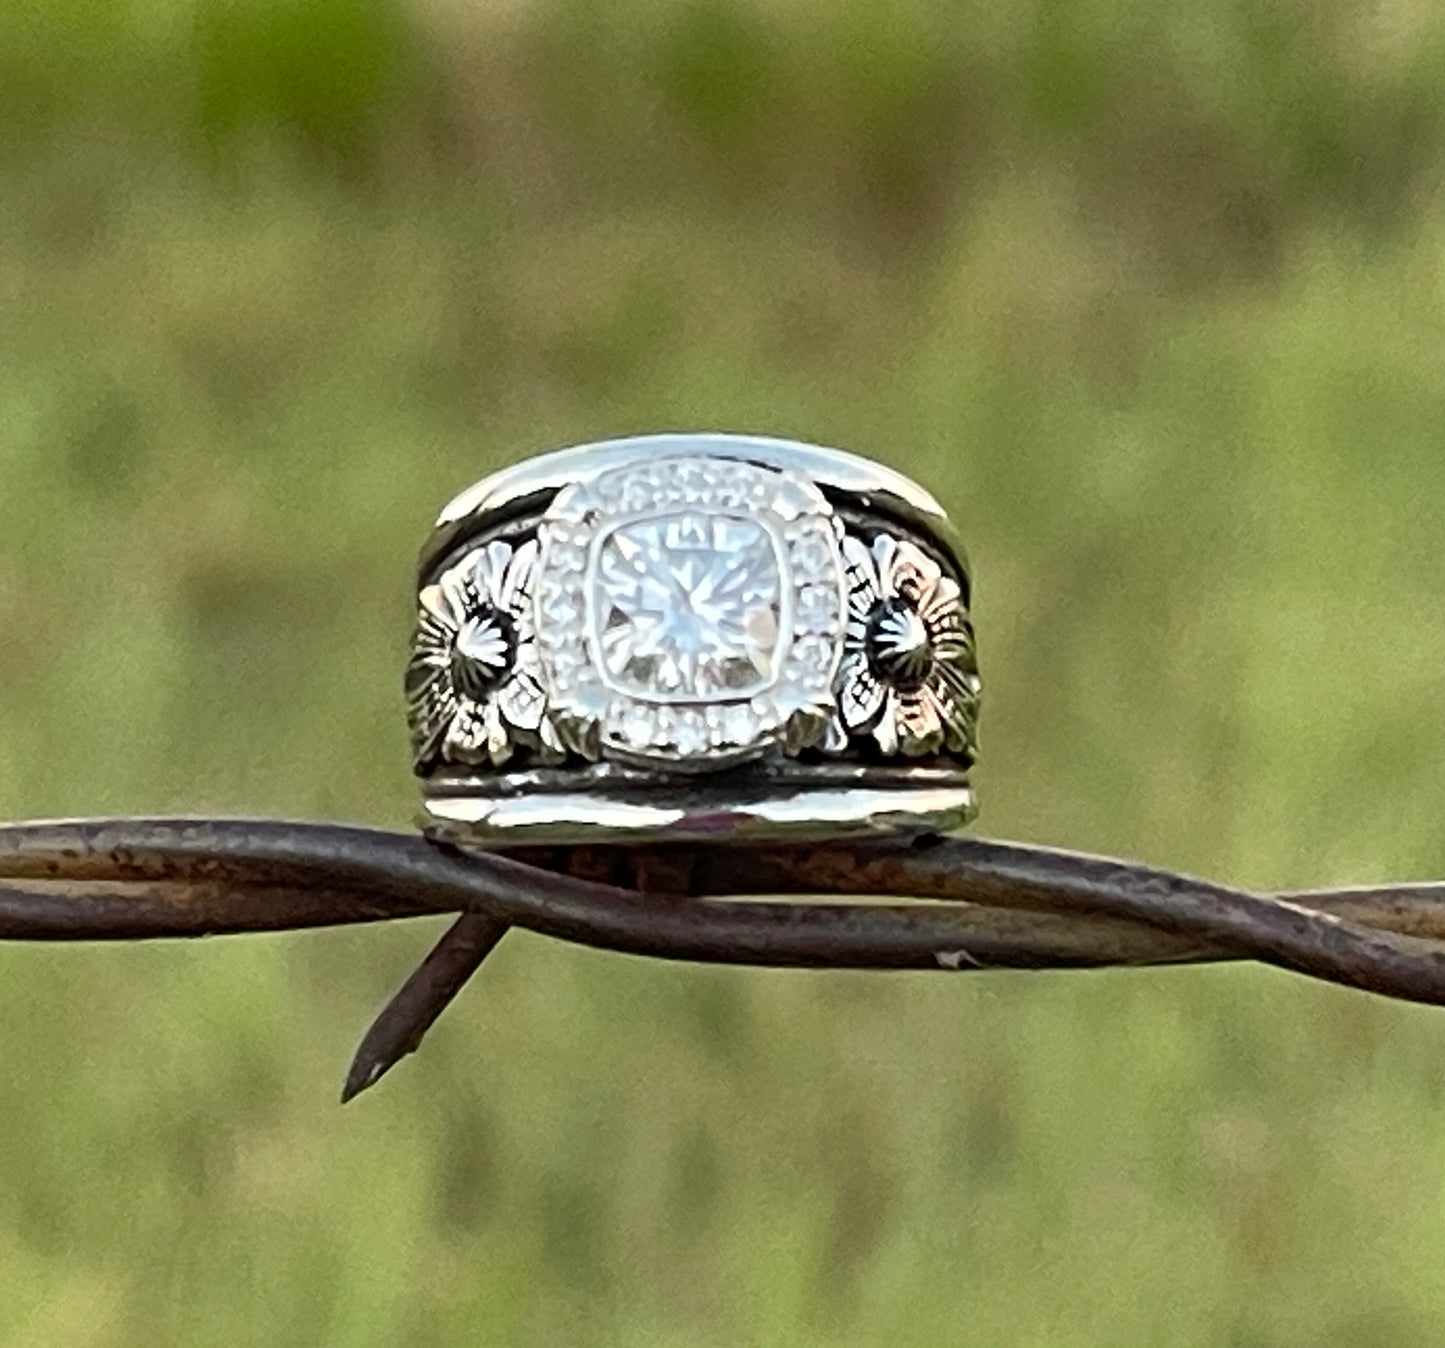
x,y
797,708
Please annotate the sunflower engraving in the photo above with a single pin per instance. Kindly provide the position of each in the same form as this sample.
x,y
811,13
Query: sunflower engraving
x,y
908,674
474,687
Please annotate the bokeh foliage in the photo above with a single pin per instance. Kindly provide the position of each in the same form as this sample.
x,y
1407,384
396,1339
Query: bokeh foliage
x,y
1150,292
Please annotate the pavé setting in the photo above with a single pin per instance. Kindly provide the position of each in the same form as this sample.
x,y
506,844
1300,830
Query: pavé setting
x,y
681,636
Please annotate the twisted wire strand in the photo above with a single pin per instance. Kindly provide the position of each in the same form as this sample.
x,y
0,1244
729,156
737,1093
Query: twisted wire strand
x,y
970,904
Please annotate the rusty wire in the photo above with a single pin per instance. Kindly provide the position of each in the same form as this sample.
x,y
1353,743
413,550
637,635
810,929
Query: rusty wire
x,y
930,903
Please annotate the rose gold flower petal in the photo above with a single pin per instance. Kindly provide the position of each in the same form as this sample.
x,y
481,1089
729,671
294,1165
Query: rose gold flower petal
x,y
920,725
958,678
942,606
953,638
957,699
910,573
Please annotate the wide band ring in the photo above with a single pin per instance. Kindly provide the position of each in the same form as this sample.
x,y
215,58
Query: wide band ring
x,y
692,636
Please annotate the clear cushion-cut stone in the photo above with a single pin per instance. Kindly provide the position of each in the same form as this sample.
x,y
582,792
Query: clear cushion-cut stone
x,y
687,605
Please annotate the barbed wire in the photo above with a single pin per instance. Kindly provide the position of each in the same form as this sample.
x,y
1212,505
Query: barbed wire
x,y
954,904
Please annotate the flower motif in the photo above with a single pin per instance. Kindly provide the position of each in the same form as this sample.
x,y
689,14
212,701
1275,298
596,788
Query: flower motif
x,y
908,672
474,685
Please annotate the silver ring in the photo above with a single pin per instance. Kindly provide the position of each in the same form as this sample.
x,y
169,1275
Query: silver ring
x,y
690,636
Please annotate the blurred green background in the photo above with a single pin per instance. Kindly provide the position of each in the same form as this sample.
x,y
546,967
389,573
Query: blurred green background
x,y
1150,292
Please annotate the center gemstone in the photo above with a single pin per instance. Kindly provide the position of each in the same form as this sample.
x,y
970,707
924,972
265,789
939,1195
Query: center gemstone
x,y
688,606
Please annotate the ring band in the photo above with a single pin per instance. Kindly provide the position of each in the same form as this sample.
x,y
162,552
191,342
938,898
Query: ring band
x,y
692,636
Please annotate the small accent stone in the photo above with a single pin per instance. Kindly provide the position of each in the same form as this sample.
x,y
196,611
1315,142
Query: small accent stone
x,y
739,723
639,726
691,734
812,556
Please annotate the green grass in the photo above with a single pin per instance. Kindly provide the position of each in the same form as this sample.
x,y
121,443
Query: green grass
x,y
1152,296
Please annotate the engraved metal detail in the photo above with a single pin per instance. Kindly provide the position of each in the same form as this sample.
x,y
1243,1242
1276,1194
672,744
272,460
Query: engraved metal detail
x,y
909,676
473,686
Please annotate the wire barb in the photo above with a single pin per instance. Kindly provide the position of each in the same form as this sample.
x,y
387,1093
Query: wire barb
x,y
406,1018
954,904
